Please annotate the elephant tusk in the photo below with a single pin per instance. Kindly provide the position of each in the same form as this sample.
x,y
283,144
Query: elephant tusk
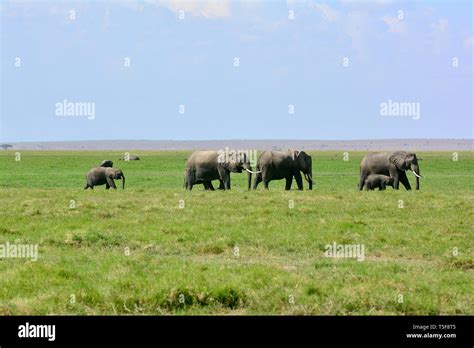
x,y
248,170
418,176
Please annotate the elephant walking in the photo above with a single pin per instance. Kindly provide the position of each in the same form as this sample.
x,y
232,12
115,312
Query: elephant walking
x,y
204,166
379,181
392,164
104,175
275,165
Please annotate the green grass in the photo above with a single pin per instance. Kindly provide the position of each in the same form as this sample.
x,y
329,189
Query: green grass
x,y
136,252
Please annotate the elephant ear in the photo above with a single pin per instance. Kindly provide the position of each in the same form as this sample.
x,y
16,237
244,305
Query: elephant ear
x,y
296,153
399,158
303,160
228,165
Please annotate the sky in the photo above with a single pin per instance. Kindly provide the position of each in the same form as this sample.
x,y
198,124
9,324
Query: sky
x,y
249,69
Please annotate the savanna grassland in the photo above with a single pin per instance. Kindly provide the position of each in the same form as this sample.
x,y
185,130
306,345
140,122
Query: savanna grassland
x,y
136,251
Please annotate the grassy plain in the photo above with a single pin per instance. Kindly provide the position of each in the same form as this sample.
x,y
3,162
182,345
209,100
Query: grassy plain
x,y
136,251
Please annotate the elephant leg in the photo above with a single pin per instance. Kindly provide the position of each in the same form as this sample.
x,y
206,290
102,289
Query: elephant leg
x,y
208,185
395,174
289,180
111,183
363,176
190,178
404,180
224,177
189,184
299,181
221,185
265,183
258,180
107,186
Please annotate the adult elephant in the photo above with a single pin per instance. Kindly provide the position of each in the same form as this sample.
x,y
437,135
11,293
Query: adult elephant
x,y
104,175
393,164
275,165
204,166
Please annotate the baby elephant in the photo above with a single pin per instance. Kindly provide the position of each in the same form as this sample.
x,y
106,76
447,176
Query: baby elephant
x,y
377,180
106,163
128,157
104,175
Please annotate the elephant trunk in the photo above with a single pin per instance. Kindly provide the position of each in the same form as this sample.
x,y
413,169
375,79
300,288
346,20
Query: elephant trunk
x,y
309,178
123,182
416,171
248,168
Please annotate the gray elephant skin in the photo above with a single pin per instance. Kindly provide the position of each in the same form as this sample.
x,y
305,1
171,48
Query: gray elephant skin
x,y
275,165
106,163
104,175
379,181
393,164
204,166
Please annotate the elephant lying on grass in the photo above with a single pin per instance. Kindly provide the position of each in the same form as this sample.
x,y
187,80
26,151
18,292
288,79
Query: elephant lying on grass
x,y
379,181
104,175
128,157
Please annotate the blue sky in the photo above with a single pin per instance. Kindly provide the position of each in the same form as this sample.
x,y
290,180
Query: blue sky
x,y
290,53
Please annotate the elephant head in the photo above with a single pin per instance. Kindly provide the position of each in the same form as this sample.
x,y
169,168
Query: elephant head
x,y
237,162
304,163
407,161
117,174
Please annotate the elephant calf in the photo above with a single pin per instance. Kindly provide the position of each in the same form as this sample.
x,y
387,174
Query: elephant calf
x,y
377,180
130,158
106,163
104,175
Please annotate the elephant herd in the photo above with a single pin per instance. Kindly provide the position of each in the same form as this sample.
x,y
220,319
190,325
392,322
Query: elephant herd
x,y
377,170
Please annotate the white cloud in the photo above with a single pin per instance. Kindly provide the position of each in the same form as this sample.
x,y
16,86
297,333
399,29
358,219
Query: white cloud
x,y
439,35
326,12
394,24
208,9
440,26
